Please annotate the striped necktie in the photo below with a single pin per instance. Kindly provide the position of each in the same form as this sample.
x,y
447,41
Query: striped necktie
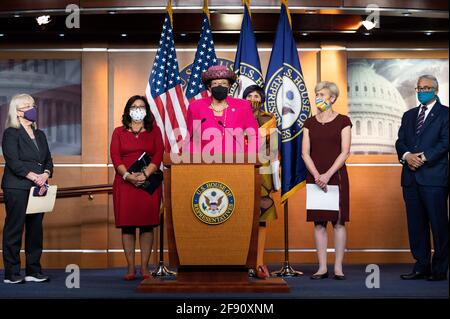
x,y
421,119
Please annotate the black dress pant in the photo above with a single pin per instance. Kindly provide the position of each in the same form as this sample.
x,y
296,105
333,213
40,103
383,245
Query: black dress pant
x,y
16,201
427,206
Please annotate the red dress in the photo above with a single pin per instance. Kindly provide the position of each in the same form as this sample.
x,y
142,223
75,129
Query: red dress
x,y
134,206
325,140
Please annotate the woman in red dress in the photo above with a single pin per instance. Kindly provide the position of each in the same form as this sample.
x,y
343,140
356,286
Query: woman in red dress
x,y
325,148
133,206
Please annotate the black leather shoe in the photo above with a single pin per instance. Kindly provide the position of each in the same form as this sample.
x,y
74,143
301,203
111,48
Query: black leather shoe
x,y
339,277
319,276
437,277
414,276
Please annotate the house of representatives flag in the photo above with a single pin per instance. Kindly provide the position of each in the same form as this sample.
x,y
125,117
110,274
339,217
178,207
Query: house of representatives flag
x,y
287,98
204,58
164,92
247,65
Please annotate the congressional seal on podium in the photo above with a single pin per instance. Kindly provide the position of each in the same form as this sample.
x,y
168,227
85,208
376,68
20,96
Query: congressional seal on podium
x,y
213,203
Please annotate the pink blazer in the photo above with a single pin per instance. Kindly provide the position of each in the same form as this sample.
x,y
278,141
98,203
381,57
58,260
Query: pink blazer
x,y
235,131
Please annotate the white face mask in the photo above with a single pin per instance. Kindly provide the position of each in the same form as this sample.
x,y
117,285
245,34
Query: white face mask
x,y
138,114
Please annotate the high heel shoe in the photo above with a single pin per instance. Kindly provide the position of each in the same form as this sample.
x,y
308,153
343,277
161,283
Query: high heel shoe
x,y
339,277
262,272
146,276
129,277
319,276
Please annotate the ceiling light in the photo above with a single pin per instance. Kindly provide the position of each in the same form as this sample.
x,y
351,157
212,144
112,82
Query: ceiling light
x,y
428,33
41,20
183,34
232,21
17,15
112,12
406,14
61,35
369,25
305,34
2,34
310,11
124,35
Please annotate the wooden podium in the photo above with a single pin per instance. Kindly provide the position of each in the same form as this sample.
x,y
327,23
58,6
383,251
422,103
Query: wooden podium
x,y
212,213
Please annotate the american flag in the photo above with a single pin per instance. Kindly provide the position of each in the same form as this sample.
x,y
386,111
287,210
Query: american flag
x,y
164,92
204,58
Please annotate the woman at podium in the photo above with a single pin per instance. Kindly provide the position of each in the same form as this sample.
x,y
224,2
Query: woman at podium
x,y
221,123
133,206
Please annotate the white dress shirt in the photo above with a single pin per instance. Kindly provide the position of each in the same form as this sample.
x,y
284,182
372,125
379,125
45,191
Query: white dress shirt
x,y
429,107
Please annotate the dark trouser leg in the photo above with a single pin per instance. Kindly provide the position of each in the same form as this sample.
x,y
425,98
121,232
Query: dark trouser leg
x,y
435,201
16,206
418,228
33,243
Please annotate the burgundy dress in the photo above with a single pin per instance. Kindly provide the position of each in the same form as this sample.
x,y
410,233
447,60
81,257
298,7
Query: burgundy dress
x,y
325,141
134,206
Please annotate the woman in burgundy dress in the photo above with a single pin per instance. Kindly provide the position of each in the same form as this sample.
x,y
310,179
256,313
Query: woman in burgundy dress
x,y
133,206
325,148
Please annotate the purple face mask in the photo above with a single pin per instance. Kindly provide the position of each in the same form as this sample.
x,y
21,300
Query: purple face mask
x,y
31,114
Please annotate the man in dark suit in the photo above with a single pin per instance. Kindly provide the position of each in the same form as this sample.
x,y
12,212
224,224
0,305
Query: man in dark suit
x,y
423,148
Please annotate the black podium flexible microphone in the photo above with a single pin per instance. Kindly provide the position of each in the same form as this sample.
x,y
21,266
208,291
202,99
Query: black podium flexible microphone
x,y
203,120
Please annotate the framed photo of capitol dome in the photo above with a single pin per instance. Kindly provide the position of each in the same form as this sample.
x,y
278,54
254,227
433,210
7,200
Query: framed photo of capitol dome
x,y
55,84
380,90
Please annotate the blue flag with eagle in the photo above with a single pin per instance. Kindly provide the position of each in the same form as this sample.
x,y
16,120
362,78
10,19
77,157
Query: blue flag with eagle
x,y
247,65
287,98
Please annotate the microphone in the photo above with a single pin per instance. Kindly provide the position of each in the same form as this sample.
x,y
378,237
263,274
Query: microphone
x,y
203,120
234,137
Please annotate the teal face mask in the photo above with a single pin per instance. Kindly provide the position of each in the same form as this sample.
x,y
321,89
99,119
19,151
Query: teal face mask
x,y
425,97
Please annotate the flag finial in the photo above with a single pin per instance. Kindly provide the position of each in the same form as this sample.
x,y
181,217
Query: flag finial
x,y
170,11
246,3
206,9
285,3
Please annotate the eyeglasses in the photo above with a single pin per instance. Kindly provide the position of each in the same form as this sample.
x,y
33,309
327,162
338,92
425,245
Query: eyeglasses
x,y
424,89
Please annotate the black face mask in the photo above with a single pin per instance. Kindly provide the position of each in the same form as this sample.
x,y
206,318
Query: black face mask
x,y
220,93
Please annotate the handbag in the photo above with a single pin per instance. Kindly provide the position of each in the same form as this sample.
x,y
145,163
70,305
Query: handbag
x,y
41,203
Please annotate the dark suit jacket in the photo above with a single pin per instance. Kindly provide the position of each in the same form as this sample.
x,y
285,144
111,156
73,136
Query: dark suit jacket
x,y
22,157
433,141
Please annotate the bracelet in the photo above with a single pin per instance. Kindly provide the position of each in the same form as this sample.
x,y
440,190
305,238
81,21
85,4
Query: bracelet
x,y
124,176
48,172
145,174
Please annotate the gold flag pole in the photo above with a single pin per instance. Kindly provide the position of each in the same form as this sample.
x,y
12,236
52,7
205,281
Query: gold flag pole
x,y
286,270
161,270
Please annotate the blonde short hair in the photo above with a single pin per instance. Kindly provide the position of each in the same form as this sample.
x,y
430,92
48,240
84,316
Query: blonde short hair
x,y
16,103
331,86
